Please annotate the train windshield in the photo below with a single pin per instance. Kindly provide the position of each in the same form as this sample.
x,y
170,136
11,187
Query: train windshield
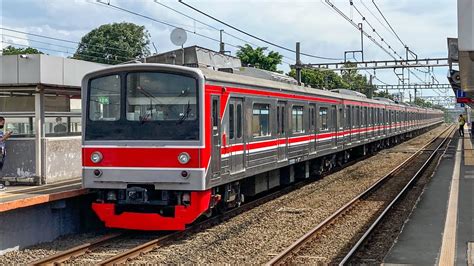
x,y
143,106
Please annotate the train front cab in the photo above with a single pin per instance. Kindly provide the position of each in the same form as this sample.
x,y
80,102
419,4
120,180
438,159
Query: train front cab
x,y
144,146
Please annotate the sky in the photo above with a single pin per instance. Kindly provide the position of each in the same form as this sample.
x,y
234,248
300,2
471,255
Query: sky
x,y
423,25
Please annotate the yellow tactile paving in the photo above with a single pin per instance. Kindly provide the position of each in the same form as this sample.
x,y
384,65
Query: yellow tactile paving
x,y
470,253
468,152
448,247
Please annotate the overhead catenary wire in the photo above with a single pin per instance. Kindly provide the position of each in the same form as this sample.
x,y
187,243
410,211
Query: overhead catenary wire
x,y
328,2
63,46
388,23
382,39
174,26
205,24
64,40
254,36
58,51
163,22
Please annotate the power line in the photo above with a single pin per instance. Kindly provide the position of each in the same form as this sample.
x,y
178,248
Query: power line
x,y
373,29
380,12
171,25
64,40
357,27
162,22
205,24
366,34
62,46
59,51
253,36
373,15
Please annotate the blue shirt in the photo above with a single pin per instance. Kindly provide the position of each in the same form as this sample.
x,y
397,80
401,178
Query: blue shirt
x,y
2,143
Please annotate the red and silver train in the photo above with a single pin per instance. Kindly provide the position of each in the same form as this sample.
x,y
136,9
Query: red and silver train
x,y
164,145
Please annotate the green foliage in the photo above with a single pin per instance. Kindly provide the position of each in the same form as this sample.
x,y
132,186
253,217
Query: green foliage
x,y
114,43
317,78
257,57
10,50
356,81
422,103
383,94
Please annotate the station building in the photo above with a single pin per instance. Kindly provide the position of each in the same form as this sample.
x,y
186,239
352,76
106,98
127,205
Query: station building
x,y
40,98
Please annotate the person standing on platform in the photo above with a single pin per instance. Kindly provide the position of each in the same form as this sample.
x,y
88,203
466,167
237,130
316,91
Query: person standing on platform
x,y
462,122
3,151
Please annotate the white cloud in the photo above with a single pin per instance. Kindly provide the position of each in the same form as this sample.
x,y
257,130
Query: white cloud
x,y
423,25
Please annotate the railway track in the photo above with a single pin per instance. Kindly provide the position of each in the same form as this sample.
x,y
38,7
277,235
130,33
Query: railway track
x,y
338,237
119,248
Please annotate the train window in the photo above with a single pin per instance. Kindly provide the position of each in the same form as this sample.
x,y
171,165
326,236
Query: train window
x,y
239,121
297,119
261,120
323,117
153,96
282,120
340,120
215,113
105,98
231,121
348,116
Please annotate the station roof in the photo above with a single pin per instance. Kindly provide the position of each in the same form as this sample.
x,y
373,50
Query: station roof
x,y
31,72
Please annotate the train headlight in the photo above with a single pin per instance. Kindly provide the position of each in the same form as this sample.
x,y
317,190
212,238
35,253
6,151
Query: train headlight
x,y
96,157
184,158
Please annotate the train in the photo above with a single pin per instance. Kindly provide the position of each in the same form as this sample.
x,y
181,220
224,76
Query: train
x,y
163,145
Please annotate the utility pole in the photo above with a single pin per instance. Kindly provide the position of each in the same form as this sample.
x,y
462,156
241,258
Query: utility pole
x,y
371,87
298,63
221,44
361,40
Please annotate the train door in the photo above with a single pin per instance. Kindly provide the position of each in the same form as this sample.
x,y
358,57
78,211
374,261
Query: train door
x,y
216,138
282,134
236,140
312,127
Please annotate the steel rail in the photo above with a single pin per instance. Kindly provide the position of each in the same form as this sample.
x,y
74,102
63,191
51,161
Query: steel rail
x,y
128,255
77,251
358,244
146,247
281,257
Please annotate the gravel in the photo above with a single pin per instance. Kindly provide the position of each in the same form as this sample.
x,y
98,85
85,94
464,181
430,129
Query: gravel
x,y
378,244
36,252
261,233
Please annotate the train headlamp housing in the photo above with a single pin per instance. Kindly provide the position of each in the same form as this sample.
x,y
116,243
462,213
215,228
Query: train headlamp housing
x,y
184,158
96,157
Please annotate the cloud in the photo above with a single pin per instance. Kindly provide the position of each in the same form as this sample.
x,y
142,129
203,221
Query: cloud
x,y
423,25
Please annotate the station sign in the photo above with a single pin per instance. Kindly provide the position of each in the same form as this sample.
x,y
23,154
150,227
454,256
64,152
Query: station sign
x,y
103,99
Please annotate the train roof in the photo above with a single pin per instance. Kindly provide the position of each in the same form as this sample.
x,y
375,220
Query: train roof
x,y
224,77
218,76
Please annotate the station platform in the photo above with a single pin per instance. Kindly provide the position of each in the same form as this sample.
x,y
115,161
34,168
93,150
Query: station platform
x,y
15,197
440,230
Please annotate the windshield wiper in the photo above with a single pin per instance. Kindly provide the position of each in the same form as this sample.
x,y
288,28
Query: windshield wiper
x,y
185,115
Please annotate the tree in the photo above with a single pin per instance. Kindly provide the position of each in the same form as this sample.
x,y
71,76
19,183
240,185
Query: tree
x,y
10,50
257,57
356,81
422,103
317,78
383,94
114,43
